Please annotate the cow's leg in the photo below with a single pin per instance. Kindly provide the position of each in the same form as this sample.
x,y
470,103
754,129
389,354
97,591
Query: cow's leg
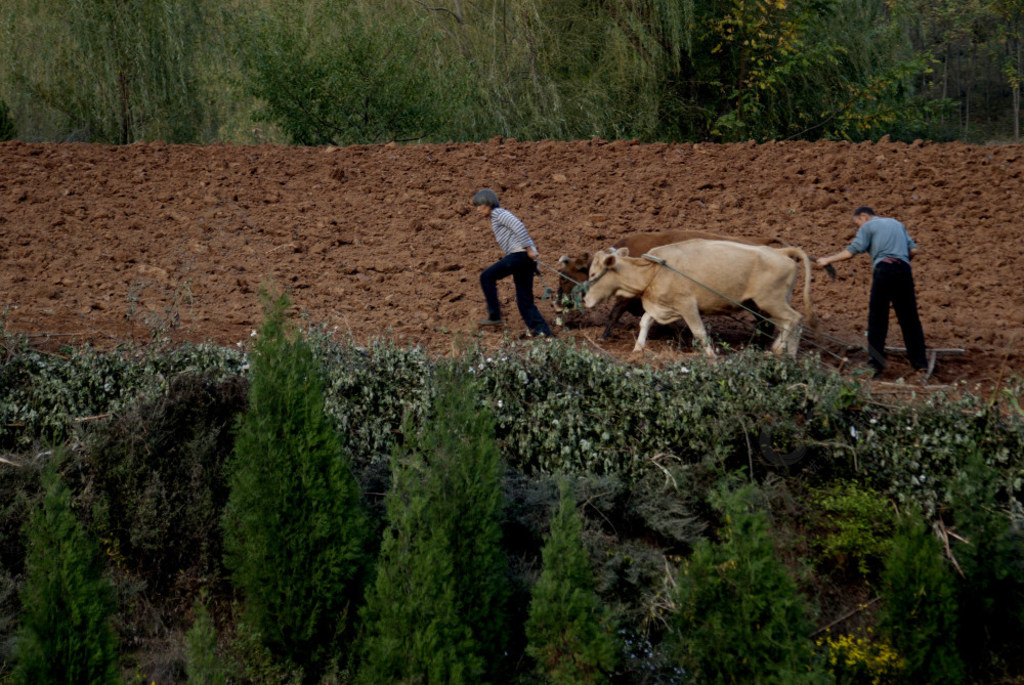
x,y
613,318
789,336
645,326
690,313
787,324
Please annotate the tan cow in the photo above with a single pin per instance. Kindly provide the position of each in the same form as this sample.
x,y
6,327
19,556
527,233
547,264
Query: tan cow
x,y
705,276
574,268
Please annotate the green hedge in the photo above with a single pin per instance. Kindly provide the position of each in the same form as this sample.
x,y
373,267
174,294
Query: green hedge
x,y
562,408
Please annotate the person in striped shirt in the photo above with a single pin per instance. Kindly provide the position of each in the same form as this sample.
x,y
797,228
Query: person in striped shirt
x,y
519,262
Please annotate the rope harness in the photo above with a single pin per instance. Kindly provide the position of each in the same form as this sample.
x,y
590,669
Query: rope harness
x,y
579,288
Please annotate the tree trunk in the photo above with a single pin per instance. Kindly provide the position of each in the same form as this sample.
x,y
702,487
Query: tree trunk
x,y
1016,114
126,112
1017,87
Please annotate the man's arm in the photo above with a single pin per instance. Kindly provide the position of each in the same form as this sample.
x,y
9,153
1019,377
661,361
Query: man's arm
x,y
840,256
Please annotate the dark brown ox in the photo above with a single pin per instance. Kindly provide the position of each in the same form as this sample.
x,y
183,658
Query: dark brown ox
x,y
687,278
574,269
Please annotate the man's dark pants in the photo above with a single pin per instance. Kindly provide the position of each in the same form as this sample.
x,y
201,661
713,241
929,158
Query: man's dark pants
x,y
522,270
893,284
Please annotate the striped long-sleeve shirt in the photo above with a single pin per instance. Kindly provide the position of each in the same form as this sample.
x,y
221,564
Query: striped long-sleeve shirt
x,y
510,231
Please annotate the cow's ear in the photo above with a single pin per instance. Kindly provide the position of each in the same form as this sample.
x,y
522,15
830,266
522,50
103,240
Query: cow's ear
x,y
585,259
609,261
622,252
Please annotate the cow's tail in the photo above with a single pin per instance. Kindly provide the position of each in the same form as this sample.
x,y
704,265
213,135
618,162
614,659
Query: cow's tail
x,y
812,316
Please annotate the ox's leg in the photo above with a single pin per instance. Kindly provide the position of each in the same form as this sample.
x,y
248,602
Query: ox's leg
x,y
645,327
690,313
613,318
787,325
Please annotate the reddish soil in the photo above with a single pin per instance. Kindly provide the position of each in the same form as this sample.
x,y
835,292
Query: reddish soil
x,y
106,244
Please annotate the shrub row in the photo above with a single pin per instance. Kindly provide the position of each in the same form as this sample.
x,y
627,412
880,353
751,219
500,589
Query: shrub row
x,y
562,408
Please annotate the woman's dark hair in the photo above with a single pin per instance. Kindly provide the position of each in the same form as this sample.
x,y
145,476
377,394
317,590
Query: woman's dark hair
x,y
486,197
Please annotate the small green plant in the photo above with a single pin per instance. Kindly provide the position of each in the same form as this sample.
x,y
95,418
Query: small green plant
x,y
920,614
739,615
202,662
570,635
65,635
436,612
295,531
857,525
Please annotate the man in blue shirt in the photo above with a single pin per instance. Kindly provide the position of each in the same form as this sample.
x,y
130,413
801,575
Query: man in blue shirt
x,y
519,262
892,283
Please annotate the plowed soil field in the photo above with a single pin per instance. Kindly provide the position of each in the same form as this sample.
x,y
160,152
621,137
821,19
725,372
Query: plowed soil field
x,y
104,244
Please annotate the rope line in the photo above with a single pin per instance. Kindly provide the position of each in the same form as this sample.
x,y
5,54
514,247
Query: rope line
x,y
578,290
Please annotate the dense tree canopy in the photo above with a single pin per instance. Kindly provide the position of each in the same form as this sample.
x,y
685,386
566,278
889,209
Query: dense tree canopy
x,y
361,71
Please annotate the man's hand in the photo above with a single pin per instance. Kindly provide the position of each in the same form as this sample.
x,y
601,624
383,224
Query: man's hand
x,y
532,253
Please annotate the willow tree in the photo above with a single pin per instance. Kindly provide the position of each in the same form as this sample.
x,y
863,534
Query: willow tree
x,y
350,72
113,71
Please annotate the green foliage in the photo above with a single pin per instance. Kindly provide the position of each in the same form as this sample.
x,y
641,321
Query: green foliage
x,y
294,526
107,71
990,551
43,396
65,634
562,409
370,391
857,527
920,615
346,73
158,472
645,445
202,662
437,609
570,634
915,452
369,71
739,615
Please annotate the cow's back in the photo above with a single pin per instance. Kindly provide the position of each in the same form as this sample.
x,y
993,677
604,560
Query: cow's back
x,y
639,243
718,273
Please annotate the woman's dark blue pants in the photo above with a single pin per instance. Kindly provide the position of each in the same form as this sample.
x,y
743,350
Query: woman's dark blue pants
x,y
522,269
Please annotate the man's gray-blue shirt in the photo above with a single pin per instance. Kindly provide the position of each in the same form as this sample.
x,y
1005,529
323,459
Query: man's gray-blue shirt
x,y
882,238
510,231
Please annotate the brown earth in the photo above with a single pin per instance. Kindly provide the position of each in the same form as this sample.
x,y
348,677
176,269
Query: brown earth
x,y
105,244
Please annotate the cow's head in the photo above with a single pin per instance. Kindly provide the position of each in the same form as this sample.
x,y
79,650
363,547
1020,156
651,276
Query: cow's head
x,y
574,272
603,281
